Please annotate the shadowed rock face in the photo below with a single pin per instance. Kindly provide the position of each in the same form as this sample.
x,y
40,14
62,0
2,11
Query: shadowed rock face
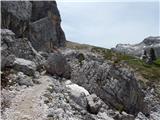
x,y
45,35
41,9
137,49
45,30
16,16
37,20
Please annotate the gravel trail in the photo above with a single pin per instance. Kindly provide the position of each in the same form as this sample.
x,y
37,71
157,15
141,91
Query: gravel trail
x,y
29,104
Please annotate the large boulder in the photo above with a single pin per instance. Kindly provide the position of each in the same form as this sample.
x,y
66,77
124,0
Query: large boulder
x,y
26,66
16,16
56,64
115,85
45,31
77,93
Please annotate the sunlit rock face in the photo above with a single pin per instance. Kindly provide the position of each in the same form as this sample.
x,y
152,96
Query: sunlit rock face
x,y
117,86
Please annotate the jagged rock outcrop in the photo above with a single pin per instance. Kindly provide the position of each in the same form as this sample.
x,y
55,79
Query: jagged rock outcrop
x,y
16,16
18,47
56,64
138,49
114,84
39,21
45,30
7,39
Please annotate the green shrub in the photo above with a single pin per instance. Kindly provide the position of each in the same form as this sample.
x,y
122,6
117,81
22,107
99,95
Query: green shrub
x,y
111,55
152,54
157,62
80,58
120,108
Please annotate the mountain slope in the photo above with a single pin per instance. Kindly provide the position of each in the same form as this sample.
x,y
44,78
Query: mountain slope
x,y
138,49
85,82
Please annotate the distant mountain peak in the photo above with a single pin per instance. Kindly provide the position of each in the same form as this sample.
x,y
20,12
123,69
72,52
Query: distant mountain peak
x,y
152,40
137,49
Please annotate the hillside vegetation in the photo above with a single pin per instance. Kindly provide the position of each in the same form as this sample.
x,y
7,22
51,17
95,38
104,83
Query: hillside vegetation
x,y
150,72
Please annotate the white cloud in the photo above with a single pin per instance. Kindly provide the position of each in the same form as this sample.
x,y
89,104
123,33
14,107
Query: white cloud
x,y
107,24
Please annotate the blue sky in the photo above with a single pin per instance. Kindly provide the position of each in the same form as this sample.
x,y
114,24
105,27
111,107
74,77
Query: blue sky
x,y
106,24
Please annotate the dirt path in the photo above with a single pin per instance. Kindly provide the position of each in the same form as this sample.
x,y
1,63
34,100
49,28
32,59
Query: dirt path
x,y
28,104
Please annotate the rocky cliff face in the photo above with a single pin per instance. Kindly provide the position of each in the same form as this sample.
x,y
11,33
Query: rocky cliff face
x,y
16,16
116,85
138,49
45,30
38,21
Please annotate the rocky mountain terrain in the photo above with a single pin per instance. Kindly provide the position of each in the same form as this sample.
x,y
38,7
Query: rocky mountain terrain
x,y
45,77
138,49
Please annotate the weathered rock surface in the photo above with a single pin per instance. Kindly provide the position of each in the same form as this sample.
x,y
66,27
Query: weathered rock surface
x,y
43,35
62,105
56,64
25,66
153,102
7,61
20,48
45,30
42,9
39,21
116,84
94,104
138,49
7,39
141,116
23,79
16,16
77,93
